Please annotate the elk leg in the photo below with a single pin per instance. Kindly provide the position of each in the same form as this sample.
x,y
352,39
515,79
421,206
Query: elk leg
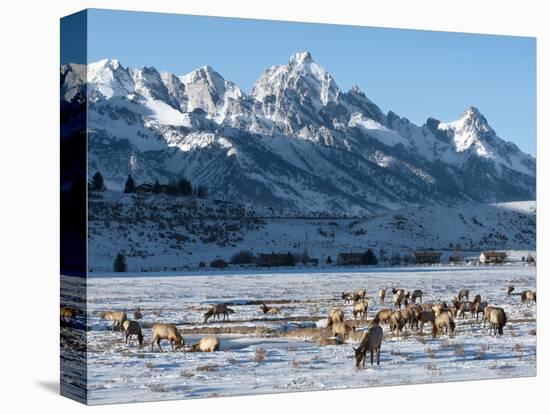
x,y
160,347
378,356
371,357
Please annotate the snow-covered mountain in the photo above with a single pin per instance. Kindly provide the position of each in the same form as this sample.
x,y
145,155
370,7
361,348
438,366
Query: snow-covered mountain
x,y
296,142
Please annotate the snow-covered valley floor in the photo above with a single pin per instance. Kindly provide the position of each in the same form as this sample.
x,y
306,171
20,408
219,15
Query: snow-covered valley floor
x,y
266,354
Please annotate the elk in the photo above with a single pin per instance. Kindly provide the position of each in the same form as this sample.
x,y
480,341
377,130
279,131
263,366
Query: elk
x,y
335,315
382,295
510,289
360,309
118,318
209,343
342,330
348,296
270,310
382,317
479,308
132,328
371,342
438,307
411,314
397,322
169,332
417,294
444,322
477,299
362,294
466,307
137,314
528,295
463,293
217,310
496,318
427,317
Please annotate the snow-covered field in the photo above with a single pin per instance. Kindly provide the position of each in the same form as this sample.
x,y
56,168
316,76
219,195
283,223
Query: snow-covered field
x,y
266,354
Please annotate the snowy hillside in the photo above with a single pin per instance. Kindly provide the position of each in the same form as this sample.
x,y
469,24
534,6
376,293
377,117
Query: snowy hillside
x,y
158,232
295,143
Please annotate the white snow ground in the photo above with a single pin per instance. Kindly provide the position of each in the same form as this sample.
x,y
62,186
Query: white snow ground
x,y
121,373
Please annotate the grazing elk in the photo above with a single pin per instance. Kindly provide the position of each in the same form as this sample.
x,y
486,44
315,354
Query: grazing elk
x,y
496,318
335,315
117,318
209,343
427,317
398,298
360,309
465,307
397,322
411,314
444,323
342,330
382,317
417,294
217,310
169,332
477,299
479,308
270,310
137,314
463,293
132,328
347,297
528,296
510,289
382,295
371,342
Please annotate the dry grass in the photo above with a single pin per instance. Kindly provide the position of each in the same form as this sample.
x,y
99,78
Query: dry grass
x,y
259,355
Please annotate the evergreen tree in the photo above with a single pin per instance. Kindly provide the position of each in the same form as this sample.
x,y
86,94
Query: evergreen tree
x,y
97,182
184,187
369,258
289,260
120,263
157,188
130,186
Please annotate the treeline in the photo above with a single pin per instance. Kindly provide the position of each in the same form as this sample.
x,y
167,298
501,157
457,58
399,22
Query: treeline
x,y
182,187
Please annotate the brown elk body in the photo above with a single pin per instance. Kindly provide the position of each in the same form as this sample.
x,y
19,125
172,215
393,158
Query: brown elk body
x,y
209,343
342,330
335,315
217,310
360,309
132,328
496,318
427,317
528,296
270,310
382,295
168,332
117,318
417,294
444,323
371,342
382,317
463,293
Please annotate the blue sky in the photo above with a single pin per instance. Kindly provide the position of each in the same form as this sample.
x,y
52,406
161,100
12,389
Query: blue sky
x,y
416,74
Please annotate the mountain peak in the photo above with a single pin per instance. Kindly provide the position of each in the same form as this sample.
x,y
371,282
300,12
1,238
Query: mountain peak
x,y
300,58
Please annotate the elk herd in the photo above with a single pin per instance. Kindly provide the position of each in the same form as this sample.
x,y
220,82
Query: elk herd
x,y
409,312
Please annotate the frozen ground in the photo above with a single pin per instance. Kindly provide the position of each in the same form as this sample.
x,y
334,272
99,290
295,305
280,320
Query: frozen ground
x,y
261,354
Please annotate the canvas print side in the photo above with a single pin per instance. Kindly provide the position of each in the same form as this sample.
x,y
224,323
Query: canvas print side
x,y
73,249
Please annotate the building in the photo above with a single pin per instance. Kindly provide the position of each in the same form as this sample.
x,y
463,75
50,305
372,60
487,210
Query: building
x,y
350,259
427,257
492,257
275,259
